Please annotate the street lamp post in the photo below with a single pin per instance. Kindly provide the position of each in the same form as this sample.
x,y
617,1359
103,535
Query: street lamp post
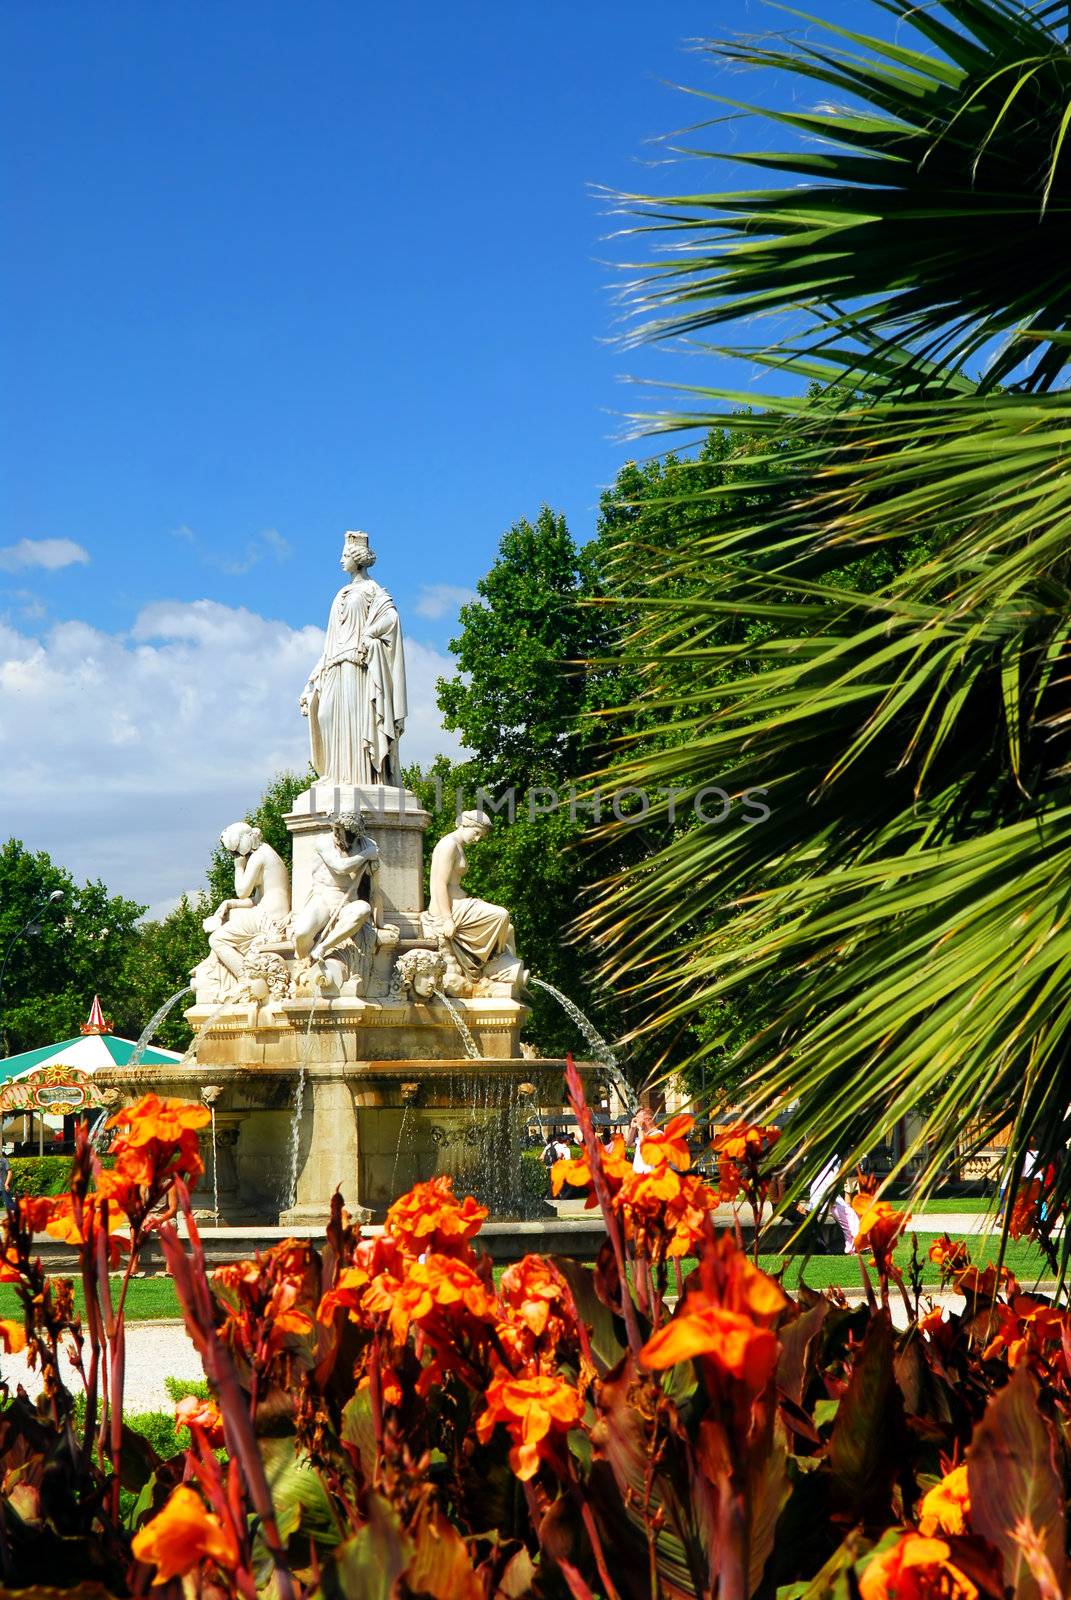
x,y
32,926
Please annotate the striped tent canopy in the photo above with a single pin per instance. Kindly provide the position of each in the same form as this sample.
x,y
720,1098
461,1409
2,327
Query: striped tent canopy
x,y
93,1047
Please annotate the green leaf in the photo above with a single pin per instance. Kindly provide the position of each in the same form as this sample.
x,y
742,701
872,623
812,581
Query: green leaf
x,y
370,1562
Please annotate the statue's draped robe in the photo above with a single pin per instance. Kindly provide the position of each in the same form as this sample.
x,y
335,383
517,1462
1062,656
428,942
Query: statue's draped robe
x,y
357,713
481,930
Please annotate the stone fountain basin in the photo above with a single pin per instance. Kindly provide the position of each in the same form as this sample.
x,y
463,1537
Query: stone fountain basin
x,y
368,1127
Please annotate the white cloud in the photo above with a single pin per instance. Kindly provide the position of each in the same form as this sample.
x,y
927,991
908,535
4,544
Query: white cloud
x,y
441,599
125,755
48,553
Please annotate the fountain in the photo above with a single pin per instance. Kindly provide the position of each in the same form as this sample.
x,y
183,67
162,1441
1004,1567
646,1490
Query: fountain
x,y
329,1011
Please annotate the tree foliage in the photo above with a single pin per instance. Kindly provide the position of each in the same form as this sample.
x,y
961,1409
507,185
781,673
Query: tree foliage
x,y
70,951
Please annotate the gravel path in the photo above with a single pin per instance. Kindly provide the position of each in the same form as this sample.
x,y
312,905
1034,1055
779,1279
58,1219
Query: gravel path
x,y
154,1351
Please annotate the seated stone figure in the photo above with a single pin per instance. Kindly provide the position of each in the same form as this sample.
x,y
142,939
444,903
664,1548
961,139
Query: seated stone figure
x,y
258,911
336,917
476,937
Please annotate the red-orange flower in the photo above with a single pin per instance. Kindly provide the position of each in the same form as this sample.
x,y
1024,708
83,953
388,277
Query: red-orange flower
x,y
880,1226
193,1412
977,1283
744,1141
182,1535
35,1212
429,1288
663,1210
532,1291
12,1335
737,1346
669,1143
917,1568
728,1326
63,1224
1024,1222
431,1217
616,1167
160,1139
950,1255
370,1258
1024,1327
946,1508
533,1410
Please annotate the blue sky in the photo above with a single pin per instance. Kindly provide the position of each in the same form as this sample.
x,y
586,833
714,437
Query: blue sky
x,y
270,271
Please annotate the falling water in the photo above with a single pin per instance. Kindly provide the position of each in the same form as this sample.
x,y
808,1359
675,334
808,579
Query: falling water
x,y
299,1101
215,1174
471,1047
191,1048
153,1023
603,1054
398,1149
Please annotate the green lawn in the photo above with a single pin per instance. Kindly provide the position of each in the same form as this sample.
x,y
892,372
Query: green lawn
x,y
973,1205
147,1299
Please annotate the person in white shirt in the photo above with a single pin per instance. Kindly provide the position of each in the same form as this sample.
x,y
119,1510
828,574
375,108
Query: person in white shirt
x,y
839,1210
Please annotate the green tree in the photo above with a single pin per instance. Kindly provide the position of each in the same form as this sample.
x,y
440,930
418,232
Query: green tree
x,y
520,686
904,909
72,950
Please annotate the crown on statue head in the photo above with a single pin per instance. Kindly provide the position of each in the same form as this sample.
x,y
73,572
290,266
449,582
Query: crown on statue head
x,y
356,543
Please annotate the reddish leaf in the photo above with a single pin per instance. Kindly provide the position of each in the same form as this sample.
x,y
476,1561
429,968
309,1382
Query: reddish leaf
x,y
1013,1478
866,1438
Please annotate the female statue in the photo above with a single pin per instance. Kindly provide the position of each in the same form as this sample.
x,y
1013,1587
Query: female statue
x,y
355,697
473,931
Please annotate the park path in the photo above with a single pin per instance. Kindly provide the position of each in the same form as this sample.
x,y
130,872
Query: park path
x,y
154,1351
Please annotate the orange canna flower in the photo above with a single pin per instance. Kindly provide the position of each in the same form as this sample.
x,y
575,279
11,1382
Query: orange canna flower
x,y
194,1412
163,1120
12,1335
976,1283
1026,1211
9,1266
733,1342
946,1508
121,1192
532,1291
533,1410
430,1217
616,1168
917,1568
1025,1326
347,1294
430,1287
182,1535
35,1212
669,1143
880,1226
280,1320
949,1254
63,1225
744,1141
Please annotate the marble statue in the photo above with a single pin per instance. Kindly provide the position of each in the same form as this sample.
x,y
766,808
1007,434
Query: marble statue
x,y
259,909
335,911
472,933
355,697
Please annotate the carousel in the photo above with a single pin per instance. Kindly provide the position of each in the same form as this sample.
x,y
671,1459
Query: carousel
x,y
42,1091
